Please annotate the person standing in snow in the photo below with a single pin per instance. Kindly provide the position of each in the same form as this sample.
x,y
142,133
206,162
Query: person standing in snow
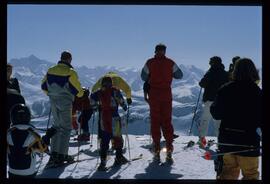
x,y
107,99
117,82
83,105
61,84
159,72
146,88
23,142
214,78
12,83
238,105
13,93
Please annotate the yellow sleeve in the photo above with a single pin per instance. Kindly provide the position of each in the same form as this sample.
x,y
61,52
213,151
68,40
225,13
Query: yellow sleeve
x,y
75,84
96,86
123,85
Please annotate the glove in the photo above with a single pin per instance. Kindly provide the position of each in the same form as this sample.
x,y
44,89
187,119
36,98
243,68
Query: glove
x,y
129,101
146,87
49,134
125,107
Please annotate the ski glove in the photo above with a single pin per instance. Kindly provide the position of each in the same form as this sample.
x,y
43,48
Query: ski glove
x,y
129,101
146,87
49,134
125,107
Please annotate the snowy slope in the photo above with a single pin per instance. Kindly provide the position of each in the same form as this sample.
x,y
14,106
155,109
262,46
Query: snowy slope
x,y
188,163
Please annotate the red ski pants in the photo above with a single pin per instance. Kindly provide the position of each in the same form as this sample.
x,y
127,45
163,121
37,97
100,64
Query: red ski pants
x,y
161,117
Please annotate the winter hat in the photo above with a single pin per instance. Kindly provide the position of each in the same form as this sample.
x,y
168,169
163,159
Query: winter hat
x,y
160,47
106,81
20,114
215,60
65,55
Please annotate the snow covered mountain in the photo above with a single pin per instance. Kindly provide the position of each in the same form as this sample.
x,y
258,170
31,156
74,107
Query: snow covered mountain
x,y
30,71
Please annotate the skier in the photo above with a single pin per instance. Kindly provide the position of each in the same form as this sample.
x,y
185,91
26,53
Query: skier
x,y
23,142
117,82
214,78
61,84
107,100
146,88
231,67
238,105
13,93
83,105
159,72
12,83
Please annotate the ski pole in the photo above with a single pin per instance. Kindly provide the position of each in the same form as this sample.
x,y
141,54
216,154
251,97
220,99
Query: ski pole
x,y
208,155
49,118
41,159
127,133
189,132
92,130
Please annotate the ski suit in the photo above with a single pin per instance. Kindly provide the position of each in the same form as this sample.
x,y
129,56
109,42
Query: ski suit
x,y
160,71
117,82
61,84
214,78
108,101
23,141
82,105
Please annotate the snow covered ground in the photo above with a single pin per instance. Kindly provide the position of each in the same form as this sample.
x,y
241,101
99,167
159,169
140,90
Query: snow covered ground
x,y
188,163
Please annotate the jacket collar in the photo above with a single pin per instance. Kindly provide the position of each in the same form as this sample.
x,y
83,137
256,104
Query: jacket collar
x,y
65,63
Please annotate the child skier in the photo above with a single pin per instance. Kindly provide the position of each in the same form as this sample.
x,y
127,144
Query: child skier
x,y
83,105
23,141
108,99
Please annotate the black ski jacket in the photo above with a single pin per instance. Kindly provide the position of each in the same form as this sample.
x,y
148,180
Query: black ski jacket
x,y
239,107
214,78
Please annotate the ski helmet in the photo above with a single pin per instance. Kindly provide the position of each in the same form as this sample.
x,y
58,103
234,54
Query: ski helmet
x,y
20,114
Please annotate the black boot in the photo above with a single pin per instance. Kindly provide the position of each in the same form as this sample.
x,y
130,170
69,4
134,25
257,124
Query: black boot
x,y
103,160
119,158
169,158
53,159
65,158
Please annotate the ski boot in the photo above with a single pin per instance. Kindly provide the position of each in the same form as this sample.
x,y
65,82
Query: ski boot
x,y
119,158
53,159
202,142
175,136
63,159
156,157
169,158
102,165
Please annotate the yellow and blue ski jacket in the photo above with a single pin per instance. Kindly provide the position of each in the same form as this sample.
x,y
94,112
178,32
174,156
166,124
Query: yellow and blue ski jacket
x,y
62,80
117,82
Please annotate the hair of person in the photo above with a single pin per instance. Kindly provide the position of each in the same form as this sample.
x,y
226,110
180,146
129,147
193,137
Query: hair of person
x,y
245,70
160,47
9,65
234,59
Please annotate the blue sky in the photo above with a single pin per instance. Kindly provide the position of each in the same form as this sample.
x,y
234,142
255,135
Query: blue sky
x,y
125,36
